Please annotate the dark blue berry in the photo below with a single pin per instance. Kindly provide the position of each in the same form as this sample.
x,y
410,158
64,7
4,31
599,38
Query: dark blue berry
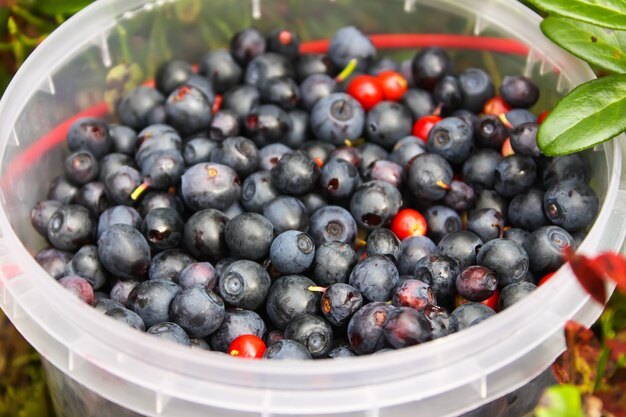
x,y
333,263
198,310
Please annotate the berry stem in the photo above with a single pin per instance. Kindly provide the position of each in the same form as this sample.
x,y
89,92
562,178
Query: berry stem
x,y
443,185
313,288
349,69
140,190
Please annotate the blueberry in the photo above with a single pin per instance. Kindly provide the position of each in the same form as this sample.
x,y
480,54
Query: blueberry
x,y
467,116
479,168
126,316
152,300
406,327
515,174
53,261
267,124
281,91
476,87
91,135
506,258
41,213
318,151
333,263
120,184
374,204
490,132
171,332
240,100
460,196
110,163
365,329
171,74
209,185
198,310
440,272
348,154
476,283
486,223
266,66
545,248
295,174
269,155
284,42
135,107
315,87
341,352
564,168
292,252
513,293
451,139
167,265
274,336
289,297
221,69
519,91
287,349
188,110
224,124
201,83
571,205
123,139
61,190
339,178
491,199
309,64
413,249
448,94
300,129
518,117
383,242
71,227
287,213
236,323
247,44
339,302
348,43
441,221
81,167
153,200
118,215
86,264
419,102
405,149
526,210
388,122
313,201
93,197
120,291
386,171
78,286
471,313
203,235
198,273
124,252
244,284
524,139
462,245
375,277
105,304
164,169
312,332
370,153
337,117
200,344
258,191
430,65
157,115
441,322
163,228
428,176
413,293
517,235
239,153
249,236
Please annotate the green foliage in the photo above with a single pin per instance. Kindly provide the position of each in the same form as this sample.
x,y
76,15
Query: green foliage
x,y
560,401
606,13
60,7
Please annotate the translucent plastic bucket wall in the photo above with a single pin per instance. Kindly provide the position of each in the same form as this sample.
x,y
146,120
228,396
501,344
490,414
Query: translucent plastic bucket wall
x,y
90,359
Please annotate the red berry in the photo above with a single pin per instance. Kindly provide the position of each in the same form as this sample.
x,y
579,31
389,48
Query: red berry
x,y
422,126
546,278
507,149
367,90
393,83
407,223
247,346
543,116
492,301
496,106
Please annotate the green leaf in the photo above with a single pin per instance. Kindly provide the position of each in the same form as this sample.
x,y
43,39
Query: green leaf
x,y
560,401
602,47
53,7
590,114
605,13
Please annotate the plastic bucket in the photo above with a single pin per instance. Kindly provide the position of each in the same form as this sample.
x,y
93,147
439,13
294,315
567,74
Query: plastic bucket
x,y
98,367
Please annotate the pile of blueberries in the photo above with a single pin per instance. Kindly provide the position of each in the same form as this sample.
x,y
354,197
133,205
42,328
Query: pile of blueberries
x,y
330,204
